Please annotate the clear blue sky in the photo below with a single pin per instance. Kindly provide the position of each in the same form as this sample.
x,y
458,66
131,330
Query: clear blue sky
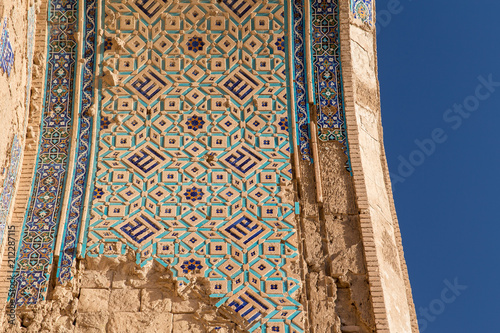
x,y
430,55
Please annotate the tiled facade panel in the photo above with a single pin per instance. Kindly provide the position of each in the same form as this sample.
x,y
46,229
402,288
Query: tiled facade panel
x,y
193,166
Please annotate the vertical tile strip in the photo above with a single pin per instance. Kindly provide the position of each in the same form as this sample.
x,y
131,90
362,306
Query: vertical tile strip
x,y
301,106
292,119
79,180
34,257
92,71
327,77
327,69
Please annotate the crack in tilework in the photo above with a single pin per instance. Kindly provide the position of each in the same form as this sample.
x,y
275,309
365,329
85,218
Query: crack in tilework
x,y
193,167
363,10
34,256
68,251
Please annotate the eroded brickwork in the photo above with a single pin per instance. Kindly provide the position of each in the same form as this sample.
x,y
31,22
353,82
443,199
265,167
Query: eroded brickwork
x,y
20,112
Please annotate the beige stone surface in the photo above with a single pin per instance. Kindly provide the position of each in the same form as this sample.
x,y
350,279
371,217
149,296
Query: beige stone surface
x,y
338,191
155,299
94,279
93,300
336,287
186,323
129,322
180,305
124,300
313,252
346,247
91,322
308,205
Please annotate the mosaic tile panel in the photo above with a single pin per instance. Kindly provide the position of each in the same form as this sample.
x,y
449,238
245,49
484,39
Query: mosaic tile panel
x,y
301,105
327,71
363,10
34,257
193,166
8,189
6,52
327,74
80,177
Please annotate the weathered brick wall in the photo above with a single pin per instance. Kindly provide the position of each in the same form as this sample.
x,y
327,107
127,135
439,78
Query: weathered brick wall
x,y
387,273
336,281
12,88
21,119
27,127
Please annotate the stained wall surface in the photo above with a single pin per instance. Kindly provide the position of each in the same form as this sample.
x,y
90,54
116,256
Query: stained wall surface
x,y
17,30
13,80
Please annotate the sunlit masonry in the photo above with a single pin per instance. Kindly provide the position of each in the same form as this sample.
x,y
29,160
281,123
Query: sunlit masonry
x,y
196,166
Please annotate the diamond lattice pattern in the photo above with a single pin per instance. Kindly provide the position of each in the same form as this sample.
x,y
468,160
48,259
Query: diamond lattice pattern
x,y
193,162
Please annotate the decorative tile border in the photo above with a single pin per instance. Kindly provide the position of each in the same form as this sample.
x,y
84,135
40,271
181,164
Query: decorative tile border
x,y
301,105
6,52
363,10
327,72
80,178
34,257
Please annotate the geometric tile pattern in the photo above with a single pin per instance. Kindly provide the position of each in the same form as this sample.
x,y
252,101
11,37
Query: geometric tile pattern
x,y
7,191
327,74
6,52
363,10
300,90
193,163
80,176
327,71
34,258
